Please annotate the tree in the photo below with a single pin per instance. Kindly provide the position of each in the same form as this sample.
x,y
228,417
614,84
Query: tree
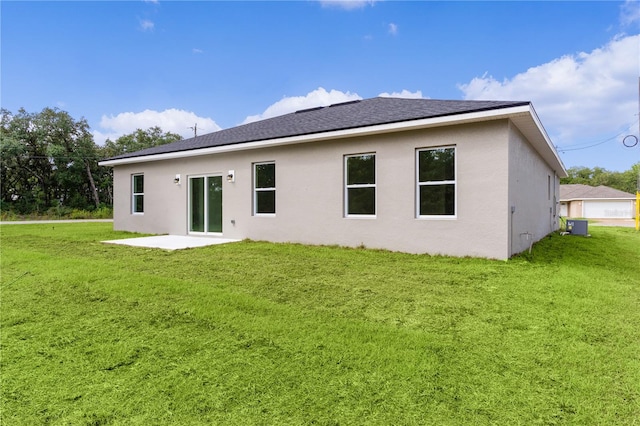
x,y
48,159
13,173
135,141
631,178
25,164
74,155
138,140
624,181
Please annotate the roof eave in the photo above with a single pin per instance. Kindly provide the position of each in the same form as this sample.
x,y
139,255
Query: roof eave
x,y
541,140
531,126
562,200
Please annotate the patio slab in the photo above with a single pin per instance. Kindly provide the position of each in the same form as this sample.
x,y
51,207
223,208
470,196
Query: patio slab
x,y
171,242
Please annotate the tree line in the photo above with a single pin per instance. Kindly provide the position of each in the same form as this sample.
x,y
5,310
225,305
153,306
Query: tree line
x,y
49,160
627,181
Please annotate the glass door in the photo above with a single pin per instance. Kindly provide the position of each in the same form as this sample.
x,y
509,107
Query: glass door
x,y
205,204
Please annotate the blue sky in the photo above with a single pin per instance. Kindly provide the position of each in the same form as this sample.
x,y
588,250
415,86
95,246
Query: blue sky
x,y
124,65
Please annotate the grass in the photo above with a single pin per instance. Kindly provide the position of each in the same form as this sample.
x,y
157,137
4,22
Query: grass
x,y
254,333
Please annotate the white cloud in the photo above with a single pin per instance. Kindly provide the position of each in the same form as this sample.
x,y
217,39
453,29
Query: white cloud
x,y
576,96
630,12
170,120
196,51
146,25
403,94
393,29
347,4
318,97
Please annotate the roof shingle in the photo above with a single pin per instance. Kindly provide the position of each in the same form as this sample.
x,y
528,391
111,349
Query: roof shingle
x,y
347,115
578,191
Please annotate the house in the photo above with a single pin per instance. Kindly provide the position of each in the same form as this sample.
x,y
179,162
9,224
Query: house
x,y
600,202
460,178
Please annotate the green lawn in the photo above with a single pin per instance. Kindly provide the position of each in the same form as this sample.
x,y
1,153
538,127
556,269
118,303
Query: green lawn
x,y
255,333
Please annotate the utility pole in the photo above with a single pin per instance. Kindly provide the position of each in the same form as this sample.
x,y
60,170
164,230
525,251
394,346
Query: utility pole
x,y
638,203
195,130
630,141
638,183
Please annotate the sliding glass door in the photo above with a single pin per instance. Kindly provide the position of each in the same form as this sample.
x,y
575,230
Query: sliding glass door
x,y
205,204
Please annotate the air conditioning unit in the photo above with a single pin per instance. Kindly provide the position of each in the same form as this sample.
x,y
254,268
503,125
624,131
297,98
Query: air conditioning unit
x,y
577,227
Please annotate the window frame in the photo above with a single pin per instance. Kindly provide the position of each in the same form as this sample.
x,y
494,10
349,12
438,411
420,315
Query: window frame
x,y
135,195
206,204
348,186
257,190
453,182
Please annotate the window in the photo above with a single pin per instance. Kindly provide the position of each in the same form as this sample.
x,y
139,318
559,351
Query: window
x,y
264,188
137,202
360,180
436,189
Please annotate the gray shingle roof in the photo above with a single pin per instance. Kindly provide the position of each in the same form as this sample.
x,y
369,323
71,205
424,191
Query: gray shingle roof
x,y
347,115
577,191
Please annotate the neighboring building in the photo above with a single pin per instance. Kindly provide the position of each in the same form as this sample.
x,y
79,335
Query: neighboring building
x,y
599,202
461,178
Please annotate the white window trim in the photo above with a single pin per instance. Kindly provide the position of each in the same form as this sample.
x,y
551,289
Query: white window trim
x,y
256,190
435,183
361,185
134,194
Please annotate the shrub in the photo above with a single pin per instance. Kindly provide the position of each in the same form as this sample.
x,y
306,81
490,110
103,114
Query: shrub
x,y
58,212
7,215
102,213
79,214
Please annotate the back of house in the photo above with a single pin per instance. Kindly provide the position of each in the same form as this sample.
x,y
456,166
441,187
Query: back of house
x,y
460,178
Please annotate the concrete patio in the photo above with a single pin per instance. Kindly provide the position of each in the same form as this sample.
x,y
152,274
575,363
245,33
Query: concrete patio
x,y
171,242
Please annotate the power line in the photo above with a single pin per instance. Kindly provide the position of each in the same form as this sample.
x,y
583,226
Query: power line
x,y
563,150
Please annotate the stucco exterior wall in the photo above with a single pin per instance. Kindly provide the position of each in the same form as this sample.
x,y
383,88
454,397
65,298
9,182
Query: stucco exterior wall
x,y
310,193
534,194
574,208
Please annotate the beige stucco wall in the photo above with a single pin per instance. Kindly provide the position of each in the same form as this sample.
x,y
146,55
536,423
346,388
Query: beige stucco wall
x,y
575,208
310,192
534,194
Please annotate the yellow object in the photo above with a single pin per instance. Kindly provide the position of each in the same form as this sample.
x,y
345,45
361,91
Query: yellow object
x,y
638,210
